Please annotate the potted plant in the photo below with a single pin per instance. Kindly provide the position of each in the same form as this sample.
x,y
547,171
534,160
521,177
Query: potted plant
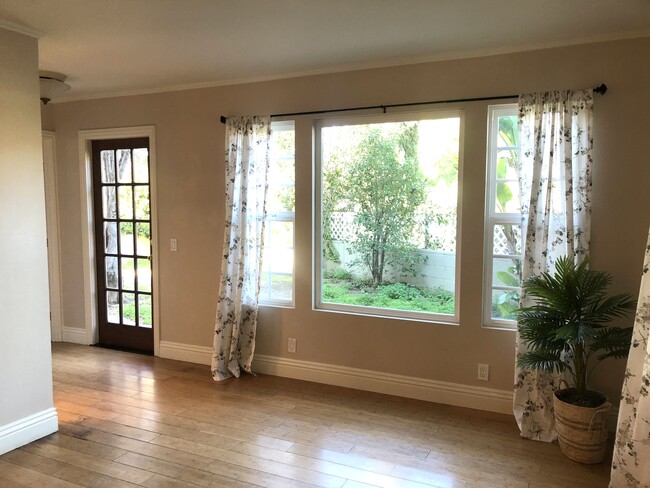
x,y
567,331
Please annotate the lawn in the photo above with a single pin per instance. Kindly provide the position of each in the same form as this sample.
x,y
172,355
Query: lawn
x,y
399,296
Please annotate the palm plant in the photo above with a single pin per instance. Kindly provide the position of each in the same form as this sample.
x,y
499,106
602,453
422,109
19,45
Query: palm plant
x,y
567,328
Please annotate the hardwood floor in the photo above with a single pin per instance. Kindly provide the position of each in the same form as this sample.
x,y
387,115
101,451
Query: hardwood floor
x,y
129,420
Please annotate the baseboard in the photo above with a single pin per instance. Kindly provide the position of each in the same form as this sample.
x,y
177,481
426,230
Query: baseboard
x,y
74,335
405,386
28,429
480,398
185,352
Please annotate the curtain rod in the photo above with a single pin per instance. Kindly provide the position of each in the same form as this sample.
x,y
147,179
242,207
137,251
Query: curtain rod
x,y
601,89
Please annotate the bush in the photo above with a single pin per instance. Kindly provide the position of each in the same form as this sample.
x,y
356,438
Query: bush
x,y
397,296
337,274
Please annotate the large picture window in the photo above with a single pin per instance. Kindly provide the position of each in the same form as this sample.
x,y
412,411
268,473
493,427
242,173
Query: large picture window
x,y
387,216
277,284
502,272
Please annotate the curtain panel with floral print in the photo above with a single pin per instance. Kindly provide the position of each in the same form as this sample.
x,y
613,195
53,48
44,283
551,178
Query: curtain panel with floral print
x,y
631,463
555,133
247,166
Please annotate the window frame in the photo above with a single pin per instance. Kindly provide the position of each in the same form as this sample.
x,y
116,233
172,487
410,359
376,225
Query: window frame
x,y
492,218
397,116
280,126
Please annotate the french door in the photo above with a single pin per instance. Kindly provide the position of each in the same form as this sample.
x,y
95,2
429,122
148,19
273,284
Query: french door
x,y
121,176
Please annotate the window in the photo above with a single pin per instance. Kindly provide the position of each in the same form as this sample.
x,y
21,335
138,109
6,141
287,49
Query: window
x,y
277,284
386,216
503,253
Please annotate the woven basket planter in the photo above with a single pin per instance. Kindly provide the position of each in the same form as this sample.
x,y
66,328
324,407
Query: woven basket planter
x,y
582,431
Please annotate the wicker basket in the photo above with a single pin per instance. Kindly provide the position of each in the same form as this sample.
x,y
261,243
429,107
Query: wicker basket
x,y
582,431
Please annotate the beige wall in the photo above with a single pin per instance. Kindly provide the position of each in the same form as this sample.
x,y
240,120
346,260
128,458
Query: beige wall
x,y
25,360
190,200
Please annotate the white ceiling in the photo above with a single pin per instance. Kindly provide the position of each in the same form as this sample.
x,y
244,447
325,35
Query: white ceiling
x,y
132,46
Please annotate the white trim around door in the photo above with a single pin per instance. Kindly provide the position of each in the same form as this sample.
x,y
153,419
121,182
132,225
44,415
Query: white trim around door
x,y
52,219
87,223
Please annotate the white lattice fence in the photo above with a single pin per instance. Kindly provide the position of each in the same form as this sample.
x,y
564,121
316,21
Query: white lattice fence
x,y
440,237
502,244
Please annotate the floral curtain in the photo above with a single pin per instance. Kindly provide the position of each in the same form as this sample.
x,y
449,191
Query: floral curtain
x,y
631,463
555,191
247,165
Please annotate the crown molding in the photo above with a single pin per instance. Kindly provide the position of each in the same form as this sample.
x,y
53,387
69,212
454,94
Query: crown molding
x,y
391,63
21,29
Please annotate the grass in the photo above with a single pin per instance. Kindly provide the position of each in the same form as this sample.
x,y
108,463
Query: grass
x,y
398,296
145,313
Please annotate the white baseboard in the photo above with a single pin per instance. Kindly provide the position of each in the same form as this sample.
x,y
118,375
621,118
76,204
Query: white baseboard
x,y
480,398
28,429
185,352
74,335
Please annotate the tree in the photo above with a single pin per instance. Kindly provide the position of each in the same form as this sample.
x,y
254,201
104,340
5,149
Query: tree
x,y
385,186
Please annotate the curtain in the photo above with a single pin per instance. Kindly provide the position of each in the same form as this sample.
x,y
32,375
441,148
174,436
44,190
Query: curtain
x,y
631,463
247,165
555,191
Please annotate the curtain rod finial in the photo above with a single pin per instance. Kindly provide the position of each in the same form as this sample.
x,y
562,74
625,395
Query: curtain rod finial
x,y
601,89
223,119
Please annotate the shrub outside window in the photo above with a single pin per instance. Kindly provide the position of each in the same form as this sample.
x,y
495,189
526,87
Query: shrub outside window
x,y
387,215
503,253
277,282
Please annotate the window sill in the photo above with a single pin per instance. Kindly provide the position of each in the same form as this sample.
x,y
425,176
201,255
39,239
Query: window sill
x,y
420,317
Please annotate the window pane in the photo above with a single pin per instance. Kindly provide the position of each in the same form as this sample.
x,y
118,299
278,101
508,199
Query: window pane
x,y
144,275
142,202
276,286
506,272
504,304
141,165
144,239
108,166
113,307
502,274
125,194
124,165
110,237
277,260
108,202
507,185
126,238
128,274
389,208
128,308
508,132
144,313
507,240
281,194
111,271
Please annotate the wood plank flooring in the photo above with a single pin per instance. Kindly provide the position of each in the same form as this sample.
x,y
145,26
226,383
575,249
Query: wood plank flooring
x,y
128,420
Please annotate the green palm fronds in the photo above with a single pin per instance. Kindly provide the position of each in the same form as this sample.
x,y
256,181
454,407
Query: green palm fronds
x,y
568,323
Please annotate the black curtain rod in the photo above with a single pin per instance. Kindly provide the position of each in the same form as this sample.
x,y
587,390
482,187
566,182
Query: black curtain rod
x,y
601,89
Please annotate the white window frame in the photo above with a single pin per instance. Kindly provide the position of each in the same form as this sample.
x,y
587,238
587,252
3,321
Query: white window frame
x,y
492,218
318,304
280,126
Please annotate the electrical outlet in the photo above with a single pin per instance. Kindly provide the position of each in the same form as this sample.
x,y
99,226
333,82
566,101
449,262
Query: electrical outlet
x,y
483,371
292,345
173,245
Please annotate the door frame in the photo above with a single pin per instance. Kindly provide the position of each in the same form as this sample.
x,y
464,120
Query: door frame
x,y
53,242
88,224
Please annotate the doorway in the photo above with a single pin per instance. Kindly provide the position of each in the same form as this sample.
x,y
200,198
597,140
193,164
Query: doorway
x,y
123,243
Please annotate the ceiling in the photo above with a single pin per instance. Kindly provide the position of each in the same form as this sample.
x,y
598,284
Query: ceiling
x,y
109,47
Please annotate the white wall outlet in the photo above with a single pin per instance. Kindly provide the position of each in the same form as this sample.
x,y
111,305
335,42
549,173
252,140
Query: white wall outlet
x,y
173,245
292,345
483,371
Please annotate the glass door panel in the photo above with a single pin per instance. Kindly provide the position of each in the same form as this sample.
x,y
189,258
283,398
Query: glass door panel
x,y
123,243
